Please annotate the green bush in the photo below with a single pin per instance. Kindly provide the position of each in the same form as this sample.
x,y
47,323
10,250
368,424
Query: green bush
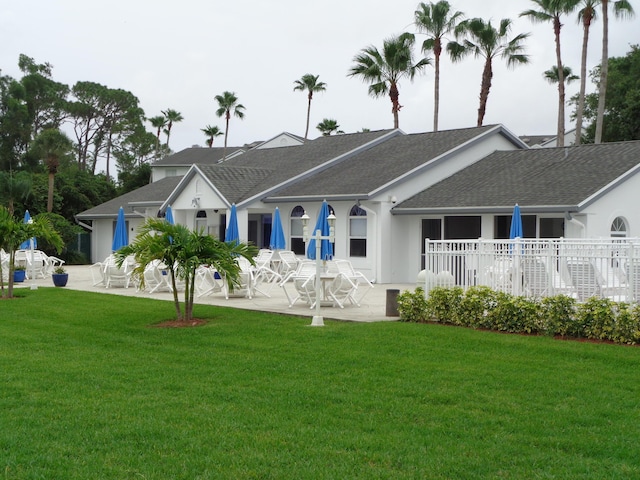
x,y
412,306
557,316
475,305
514,314
444,305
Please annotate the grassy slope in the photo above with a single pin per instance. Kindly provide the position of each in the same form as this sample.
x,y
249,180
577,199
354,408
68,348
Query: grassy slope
x,y
90,391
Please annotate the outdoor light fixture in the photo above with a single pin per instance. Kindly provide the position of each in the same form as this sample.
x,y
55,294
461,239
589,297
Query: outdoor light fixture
x,y
332,227
195,202
317,320
305,226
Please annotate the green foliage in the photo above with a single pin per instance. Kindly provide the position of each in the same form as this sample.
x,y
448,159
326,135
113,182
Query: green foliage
x,y
412,306
481,307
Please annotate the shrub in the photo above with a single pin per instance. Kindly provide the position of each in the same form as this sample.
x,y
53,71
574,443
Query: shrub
x,y
412,306
514,314
475,306
557,315
444,304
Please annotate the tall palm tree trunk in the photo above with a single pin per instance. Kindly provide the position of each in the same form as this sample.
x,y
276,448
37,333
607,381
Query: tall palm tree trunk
x,y
604,71
50,192
487,75
436,90
586,25
394,94
306,132
226,132
561,91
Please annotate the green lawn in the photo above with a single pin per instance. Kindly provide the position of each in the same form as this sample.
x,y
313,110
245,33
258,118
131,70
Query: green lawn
x,y
90,391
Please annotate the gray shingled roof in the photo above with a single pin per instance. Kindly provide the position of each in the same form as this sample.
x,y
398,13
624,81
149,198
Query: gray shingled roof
x,y
273,166
371,169
561,178
189,156
153,192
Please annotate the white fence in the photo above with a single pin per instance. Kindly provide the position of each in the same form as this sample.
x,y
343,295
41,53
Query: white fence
x,y
581,268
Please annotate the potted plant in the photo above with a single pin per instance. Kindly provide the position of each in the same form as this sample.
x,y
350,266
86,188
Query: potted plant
x,y
19,274
60,277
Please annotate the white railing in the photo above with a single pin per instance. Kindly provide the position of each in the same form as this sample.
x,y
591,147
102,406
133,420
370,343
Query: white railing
x,y
580,268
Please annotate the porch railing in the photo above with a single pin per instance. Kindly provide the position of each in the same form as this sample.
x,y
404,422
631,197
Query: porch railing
x,y
581,268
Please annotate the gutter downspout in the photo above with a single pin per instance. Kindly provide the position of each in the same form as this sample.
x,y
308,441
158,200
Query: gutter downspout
x,y
569,218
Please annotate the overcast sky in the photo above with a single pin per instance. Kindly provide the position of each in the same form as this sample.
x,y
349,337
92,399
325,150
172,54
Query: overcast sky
x,y
181,54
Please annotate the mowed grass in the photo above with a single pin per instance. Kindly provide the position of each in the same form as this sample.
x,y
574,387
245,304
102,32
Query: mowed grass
x,y
89,390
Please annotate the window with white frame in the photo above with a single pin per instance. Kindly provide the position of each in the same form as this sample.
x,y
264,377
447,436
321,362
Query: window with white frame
x,y
297,239
357,232
619,227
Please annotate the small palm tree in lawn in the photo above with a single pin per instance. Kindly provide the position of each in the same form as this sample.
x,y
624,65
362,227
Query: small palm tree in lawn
x,y
384,69
158,122
311,84
485,41
327,126
227,103
172,117
211,133
50,145
186,250
436,20
552,11
622,9
14,231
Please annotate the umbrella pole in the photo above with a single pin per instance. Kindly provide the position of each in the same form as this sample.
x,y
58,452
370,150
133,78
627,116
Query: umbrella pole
x,y
317,320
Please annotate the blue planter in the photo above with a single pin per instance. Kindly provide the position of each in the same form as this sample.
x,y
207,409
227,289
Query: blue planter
x,y
19,276
60,279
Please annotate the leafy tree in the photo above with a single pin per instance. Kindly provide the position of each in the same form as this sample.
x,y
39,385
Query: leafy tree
x,y
487,42
136,150
211,133
158,122
172,117
551,11
13,231
622,116
327,126
50,145
134,178
186,250
14,186
228,102
384,70
622,9
311,84
15,124
436,20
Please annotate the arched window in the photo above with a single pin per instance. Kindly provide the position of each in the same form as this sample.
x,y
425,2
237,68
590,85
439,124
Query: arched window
x,y
619,227
357,232
297,240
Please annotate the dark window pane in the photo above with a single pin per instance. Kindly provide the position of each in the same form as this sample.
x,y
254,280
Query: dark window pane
x,y
462,228
551,227
358,247
297,246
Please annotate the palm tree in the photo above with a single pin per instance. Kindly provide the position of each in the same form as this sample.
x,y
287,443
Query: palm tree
x,y
586,15
226,103
158,122
172,117
487,42
309,83
327,126
383,70
14,231
51,144
436,20
622,9
552,75
211,133
187,250
551,11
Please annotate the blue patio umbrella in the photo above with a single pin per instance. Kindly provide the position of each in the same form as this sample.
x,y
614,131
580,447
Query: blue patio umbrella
x,y
322,224
168,215
120,236
277,241
516,223
233,232
27,243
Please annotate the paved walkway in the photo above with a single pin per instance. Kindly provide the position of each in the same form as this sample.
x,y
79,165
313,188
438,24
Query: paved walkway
x,y
373,307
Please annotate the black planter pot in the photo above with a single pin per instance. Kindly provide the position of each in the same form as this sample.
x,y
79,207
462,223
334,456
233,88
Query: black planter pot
x,y
60,279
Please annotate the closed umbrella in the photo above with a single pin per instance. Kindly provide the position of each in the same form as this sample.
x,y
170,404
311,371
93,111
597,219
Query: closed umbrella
x,y
168,215
28,243
322,224
233,233
277,241
120,236
516,223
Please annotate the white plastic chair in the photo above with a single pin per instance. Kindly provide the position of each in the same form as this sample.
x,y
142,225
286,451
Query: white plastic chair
x,y
303,280
341,290
361,282
206,281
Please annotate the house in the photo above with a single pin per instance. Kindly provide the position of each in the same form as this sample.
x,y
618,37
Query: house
x,y
390,190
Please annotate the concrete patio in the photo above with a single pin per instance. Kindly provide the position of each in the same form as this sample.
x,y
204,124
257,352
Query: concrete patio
x,y
373,307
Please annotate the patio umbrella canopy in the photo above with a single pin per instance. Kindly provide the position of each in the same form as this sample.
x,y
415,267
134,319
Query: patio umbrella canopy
x,y
120,236
233,233
168,215
322,224
277,241
27,243
516,223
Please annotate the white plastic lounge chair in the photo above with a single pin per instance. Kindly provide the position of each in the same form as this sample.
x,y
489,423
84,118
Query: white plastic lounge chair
x,y
206,281
585,279
341,290
288,262
362,283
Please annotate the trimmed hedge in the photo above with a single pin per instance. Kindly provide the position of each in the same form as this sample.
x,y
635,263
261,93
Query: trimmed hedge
x,y
481,307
